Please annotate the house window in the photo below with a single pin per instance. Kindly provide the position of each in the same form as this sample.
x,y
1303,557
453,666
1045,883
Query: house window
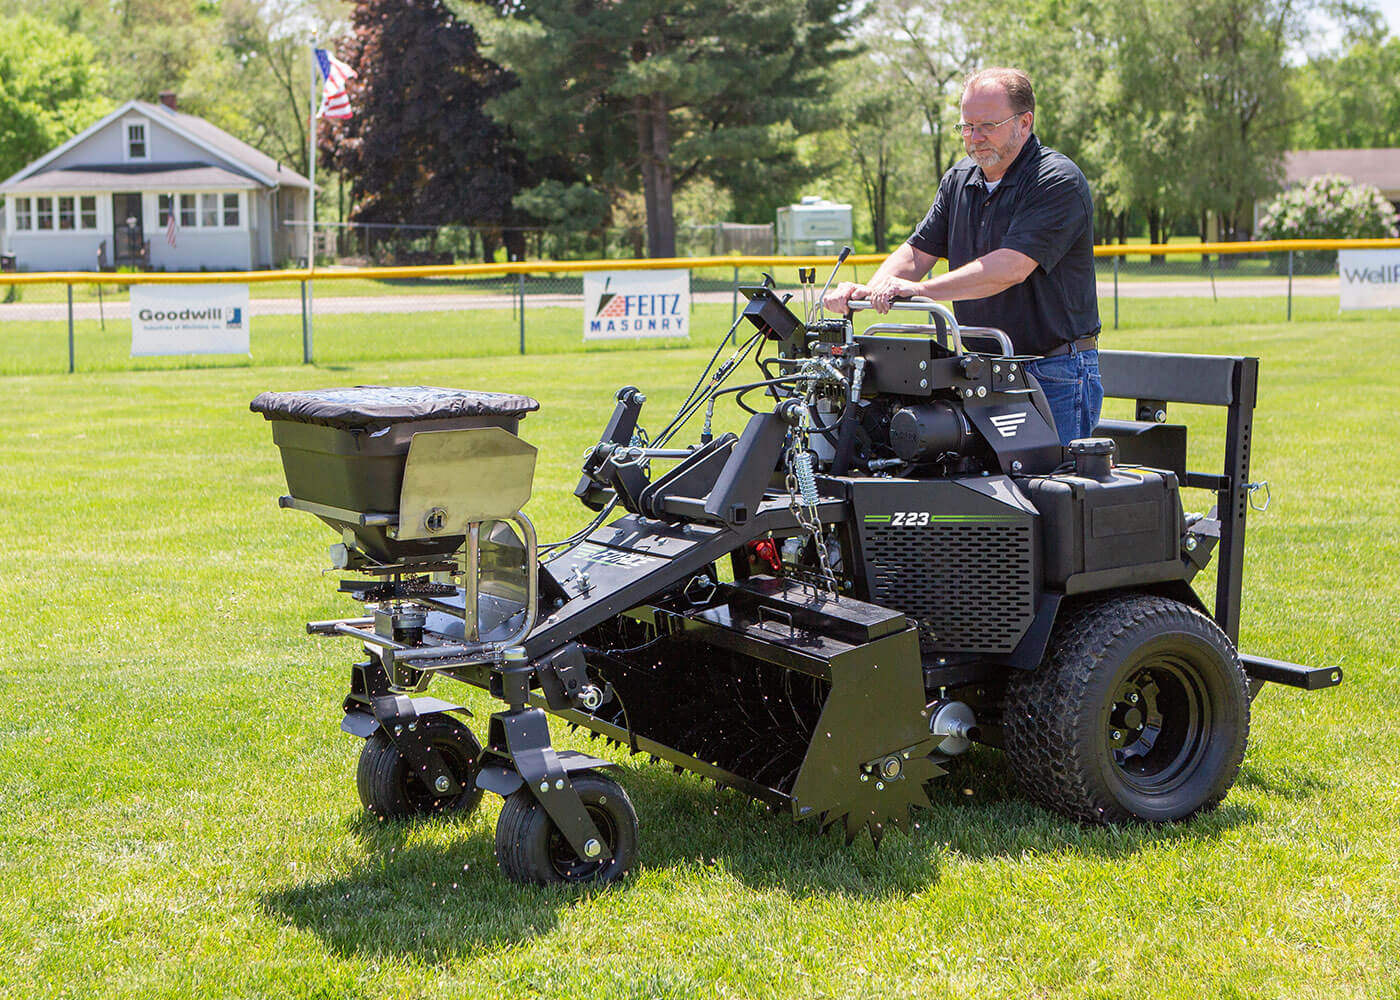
x,y
87,212
212,210
45,212
66,217
135,141
24,214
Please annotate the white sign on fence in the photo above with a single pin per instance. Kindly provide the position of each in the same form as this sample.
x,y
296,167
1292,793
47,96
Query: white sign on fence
x,y
189,319
636,304
1370,278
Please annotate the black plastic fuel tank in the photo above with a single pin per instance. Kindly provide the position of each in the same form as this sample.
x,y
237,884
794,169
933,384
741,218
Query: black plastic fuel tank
x,y
1104,526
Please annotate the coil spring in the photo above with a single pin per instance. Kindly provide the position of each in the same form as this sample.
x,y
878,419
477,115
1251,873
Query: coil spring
x,y
806,478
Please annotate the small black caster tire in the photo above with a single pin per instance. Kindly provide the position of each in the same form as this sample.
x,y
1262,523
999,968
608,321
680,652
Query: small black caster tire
x,y
1139,712
531,850
391,790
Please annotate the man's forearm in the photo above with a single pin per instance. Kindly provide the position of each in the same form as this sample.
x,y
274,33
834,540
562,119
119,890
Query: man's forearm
x,y
987,275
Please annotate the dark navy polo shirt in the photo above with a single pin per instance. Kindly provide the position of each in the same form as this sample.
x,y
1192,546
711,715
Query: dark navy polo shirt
x,y
1042,208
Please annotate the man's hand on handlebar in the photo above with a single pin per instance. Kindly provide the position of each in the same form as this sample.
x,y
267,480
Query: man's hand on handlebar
x,y
885,288
836,298
882,291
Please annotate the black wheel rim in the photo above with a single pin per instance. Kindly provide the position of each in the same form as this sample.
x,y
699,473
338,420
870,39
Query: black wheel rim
x,y
461,763
568,865
1158,723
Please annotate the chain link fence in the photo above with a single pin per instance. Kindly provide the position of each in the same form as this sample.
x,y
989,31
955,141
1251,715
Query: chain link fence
x,y
349,315
360,244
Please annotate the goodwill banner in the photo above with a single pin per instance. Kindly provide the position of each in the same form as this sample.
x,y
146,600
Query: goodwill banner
x,y
189,319
636,304
1370,278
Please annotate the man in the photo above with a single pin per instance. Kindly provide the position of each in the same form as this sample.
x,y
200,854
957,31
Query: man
x,y
1015,222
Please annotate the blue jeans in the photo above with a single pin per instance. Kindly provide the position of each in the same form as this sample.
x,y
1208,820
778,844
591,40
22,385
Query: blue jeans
x,y
1073,390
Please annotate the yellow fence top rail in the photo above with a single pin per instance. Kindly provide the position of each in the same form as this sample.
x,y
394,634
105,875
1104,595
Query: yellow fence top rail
x,y
664,263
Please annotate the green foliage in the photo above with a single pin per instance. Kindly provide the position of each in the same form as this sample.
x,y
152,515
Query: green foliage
x,y
637,93
1328,207
1351,99
50,88
420,147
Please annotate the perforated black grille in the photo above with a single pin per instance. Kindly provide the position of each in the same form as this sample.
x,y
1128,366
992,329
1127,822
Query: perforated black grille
x,y
972,585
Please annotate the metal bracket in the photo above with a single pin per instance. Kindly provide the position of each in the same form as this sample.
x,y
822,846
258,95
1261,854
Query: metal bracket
x,y
522,737
398,716
563,677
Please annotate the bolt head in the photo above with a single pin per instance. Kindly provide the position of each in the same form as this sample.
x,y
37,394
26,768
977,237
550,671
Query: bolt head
x,y
544,786
865,777
879,786
1133,697
559,785
592,848
442,784
1117,735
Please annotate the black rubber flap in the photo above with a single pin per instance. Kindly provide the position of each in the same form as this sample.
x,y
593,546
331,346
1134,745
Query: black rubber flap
x,y
371,407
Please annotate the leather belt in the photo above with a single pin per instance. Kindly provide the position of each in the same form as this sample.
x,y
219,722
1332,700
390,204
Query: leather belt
x,y
1089,343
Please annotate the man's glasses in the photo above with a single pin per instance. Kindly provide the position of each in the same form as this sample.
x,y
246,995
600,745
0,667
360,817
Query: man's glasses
x,y
966,128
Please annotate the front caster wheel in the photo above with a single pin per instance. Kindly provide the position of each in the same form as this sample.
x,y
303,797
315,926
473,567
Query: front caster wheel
x,y
1140,711
391,789
531,850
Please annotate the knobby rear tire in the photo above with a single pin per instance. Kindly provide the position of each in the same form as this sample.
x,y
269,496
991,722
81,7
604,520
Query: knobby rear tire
x,y
1140,711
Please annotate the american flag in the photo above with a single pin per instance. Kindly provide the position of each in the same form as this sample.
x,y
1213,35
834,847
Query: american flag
x,y
171,227
335,102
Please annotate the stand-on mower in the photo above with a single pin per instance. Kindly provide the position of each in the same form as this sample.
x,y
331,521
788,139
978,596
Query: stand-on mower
x,y
894,560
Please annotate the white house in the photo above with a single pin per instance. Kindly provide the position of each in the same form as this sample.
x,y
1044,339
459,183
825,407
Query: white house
x,y
113,187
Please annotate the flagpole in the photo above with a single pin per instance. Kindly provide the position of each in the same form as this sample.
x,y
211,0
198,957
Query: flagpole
x,y
306,325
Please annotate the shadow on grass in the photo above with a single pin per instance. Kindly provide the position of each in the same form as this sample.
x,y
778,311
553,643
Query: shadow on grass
x,y
437,896
1291,783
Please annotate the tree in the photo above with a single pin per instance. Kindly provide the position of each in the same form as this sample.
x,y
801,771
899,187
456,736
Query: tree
x,y
420,147
50,88
929,52
242,64
663,92
887,151
259,90
1351,99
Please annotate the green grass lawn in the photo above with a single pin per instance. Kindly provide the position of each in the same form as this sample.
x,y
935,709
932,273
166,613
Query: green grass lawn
x,y
177,808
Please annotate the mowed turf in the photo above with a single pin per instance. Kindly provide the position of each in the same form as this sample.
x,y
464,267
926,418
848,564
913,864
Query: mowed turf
x,y
178,815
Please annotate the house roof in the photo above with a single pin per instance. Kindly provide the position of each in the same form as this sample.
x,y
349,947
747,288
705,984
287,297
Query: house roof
x,y
150,177
224,150
1380,167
